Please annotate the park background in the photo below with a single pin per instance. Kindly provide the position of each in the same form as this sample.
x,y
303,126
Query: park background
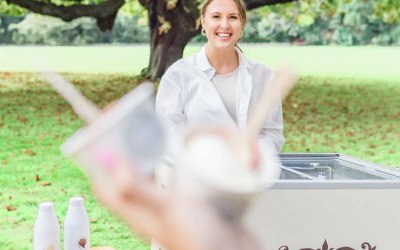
x,y
347,99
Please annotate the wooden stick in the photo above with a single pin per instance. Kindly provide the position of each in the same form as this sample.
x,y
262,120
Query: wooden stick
x,y
281,84
83,107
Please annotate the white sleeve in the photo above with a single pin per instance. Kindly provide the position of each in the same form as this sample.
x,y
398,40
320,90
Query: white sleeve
x,y
169,109
272,130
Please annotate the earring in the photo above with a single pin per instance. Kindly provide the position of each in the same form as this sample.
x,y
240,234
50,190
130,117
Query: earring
x,y
203,32
241,33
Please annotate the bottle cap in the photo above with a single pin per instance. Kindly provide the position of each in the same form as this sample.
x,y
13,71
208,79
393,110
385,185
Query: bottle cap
x,y
76,201
46,206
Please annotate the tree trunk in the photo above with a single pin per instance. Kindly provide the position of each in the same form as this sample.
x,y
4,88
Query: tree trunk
x,y
166,49
168,41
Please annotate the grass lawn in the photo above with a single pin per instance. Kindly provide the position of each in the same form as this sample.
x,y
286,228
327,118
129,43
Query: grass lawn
x,y
360,62
326,112
34,122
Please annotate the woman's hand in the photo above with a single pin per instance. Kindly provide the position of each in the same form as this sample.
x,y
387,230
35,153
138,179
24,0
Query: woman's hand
x,y
177,221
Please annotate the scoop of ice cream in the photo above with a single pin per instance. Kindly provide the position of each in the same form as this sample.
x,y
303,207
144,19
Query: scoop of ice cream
x,y
225,163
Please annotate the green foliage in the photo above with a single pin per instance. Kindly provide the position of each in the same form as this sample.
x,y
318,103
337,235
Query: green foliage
x,y
130,8
340,22
130,29
351,22
11,9
389,10
5,22
37,29
133,8
396,35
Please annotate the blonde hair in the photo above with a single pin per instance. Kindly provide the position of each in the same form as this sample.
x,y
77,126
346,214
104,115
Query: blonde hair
x,y
239,4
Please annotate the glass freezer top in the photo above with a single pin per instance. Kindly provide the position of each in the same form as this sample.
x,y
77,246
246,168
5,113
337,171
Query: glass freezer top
x,y
334,166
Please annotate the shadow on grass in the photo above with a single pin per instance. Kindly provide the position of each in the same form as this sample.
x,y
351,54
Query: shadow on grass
x,y
356,117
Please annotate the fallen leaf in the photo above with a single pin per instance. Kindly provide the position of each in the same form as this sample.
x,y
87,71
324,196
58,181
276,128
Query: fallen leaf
x,y
22,119
350,134
370,153
29,152
36,178
10,208
389,129
43,106
45,183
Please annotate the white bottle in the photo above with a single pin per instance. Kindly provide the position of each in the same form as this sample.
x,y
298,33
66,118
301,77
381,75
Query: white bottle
x,y
76,226
46,232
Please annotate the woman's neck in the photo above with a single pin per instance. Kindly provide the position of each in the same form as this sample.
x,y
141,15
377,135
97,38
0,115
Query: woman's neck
x,y
224,61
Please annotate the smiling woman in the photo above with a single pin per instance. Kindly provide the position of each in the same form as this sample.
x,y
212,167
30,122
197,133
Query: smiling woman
x,y
218,85
223,22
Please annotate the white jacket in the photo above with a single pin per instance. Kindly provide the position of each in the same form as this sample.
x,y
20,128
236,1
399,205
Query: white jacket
x,y
186,97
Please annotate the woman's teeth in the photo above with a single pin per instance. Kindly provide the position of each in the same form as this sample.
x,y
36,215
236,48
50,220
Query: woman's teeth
x,y
224,34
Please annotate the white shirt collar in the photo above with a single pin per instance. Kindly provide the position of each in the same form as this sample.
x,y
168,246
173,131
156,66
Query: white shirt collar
x,y
204,65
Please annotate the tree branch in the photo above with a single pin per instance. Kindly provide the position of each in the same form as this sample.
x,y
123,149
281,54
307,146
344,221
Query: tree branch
x,y
104,12
252,4
146,3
